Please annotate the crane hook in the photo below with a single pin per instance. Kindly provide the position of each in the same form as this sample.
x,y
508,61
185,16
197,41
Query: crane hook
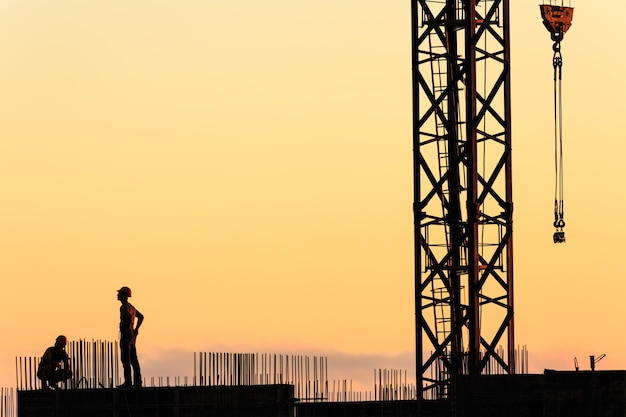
x,y
559,235
557,19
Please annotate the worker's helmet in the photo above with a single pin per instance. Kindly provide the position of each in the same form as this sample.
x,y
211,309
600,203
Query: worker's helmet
x,y
61,340
126,291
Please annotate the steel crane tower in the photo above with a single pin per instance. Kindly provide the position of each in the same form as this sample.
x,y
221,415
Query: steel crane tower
x,y
463,203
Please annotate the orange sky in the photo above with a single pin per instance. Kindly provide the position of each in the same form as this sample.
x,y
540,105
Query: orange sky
x,y
246,168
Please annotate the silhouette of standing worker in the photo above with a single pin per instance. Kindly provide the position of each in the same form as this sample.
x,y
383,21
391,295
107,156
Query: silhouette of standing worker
x,y
128,337
49,370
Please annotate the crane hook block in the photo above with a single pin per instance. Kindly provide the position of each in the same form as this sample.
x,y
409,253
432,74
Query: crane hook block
x,y
557,19
559,236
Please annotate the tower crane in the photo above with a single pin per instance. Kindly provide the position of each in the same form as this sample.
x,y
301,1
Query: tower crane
x,y
557,19
463,209
463,201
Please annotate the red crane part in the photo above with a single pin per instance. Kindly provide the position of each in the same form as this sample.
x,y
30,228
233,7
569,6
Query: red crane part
x,y
557,19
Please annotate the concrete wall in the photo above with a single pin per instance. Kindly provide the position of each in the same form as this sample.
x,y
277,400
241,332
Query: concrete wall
x,y
223,401
552,394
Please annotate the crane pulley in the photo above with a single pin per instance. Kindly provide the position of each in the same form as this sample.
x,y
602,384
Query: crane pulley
x,y
557,19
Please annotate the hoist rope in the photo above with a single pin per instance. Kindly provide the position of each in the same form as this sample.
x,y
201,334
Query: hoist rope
x,y
559,222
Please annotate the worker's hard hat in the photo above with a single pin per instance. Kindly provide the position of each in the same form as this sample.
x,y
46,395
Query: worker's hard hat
x,y
126,291
61,339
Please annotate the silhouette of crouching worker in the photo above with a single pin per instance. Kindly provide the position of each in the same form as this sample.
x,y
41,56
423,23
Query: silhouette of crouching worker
x,y
50,370
128,339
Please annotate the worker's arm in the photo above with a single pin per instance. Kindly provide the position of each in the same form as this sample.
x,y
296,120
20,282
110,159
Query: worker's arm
x,y
66,362
139,317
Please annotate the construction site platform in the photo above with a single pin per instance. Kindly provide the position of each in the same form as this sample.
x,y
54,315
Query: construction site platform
x,y
240,401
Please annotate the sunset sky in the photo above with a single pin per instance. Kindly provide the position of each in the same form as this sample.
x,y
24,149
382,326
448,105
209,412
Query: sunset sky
x,y
245,167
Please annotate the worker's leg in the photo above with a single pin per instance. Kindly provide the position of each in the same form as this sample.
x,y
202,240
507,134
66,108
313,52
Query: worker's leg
x,y
135,364
125,348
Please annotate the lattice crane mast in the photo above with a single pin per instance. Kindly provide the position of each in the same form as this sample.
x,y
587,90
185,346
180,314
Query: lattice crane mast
x,y
463,209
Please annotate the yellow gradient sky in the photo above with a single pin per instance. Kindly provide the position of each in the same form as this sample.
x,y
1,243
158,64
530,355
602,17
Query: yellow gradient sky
x,y
246,168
